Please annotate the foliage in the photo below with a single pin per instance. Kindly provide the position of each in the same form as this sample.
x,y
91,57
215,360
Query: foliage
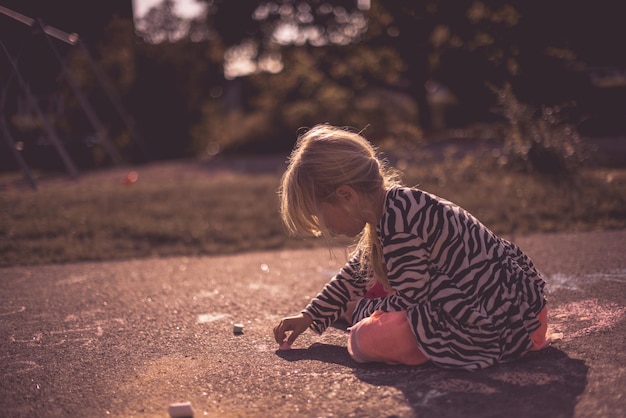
x,y
308,62
161,24
98,74
314,86
537,142
177,76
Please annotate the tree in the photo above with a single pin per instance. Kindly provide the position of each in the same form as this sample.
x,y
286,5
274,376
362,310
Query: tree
x,y
535,46
161,24
326,56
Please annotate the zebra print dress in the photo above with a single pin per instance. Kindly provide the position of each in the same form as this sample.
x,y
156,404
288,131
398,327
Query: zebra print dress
x,y
472,298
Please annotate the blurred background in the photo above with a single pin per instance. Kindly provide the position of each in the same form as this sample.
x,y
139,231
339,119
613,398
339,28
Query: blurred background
x,y
145,80
143,128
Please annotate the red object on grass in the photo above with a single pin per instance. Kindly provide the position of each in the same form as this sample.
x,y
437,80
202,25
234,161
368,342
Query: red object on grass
x,y
131,178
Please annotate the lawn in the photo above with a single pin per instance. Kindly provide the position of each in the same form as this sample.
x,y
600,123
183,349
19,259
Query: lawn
x,y
229,204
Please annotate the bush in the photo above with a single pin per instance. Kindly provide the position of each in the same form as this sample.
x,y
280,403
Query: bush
x,y
537,141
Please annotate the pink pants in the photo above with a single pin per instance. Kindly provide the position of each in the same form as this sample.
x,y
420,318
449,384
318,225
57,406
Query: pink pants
x,y
387,337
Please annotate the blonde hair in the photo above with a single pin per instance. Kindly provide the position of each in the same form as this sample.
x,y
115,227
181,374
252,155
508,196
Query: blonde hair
x,y
324,158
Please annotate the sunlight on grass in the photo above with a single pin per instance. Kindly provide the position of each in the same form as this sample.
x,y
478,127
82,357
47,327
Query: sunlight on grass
x,y
193,208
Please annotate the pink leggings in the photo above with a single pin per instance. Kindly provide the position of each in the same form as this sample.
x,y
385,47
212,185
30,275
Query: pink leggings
x,y
387,337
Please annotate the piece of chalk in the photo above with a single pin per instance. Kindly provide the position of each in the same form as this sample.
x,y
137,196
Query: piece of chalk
x,y
284,346
238,328
181,410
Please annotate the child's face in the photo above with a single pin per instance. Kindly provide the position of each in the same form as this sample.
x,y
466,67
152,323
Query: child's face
x,y
341,219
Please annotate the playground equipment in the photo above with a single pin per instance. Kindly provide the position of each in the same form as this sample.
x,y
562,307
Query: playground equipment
x,y
52,34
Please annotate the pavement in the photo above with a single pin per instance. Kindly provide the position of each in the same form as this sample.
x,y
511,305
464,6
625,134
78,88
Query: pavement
x,y
129,338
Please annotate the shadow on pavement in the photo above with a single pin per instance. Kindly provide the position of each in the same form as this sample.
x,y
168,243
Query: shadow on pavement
x,y
328,353
543,384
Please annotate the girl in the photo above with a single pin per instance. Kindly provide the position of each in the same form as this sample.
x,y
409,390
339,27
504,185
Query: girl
x,y
453,293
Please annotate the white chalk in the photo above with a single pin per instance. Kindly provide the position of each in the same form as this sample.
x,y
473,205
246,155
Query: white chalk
x,y
181,410
238,328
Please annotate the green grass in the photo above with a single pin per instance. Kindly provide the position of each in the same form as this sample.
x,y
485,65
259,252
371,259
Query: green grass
x,y
227,206
173,209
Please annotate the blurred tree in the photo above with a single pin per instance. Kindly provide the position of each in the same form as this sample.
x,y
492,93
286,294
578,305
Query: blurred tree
x,y
161,24
535,46
179,63
404,26
275,65
173,80
317,22
116,60
304,64
331,84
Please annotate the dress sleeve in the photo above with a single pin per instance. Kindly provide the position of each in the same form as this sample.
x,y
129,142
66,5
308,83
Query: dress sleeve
x,y
328,306
409,269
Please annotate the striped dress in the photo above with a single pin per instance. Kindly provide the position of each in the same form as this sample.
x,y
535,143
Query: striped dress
x,y
472,298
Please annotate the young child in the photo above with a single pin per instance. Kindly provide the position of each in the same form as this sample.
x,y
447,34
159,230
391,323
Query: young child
x,y
448,289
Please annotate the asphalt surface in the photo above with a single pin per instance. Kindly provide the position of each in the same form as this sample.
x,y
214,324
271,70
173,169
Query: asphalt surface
x,y
127,339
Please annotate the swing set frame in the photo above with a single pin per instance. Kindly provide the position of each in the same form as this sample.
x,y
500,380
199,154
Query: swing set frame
x,y
72,39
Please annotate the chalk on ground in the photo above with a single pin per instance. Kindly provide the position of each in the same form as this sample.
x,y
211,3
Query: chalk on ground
x,y
238,328
181,410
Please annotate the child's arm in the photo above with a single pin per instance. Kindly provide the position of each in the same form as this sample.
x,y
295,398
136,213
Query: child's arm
x,y
330,304
327,307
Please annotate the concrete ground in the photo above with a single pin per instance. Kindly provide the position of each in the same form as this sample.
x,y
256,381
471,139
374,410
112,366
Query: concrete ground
x,y
127,339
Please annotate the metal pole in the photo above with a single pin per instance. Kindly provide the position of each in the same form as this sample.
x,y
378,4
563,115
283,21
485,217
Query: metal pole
x,y
70,38
16,153
89,112
6,133
67,161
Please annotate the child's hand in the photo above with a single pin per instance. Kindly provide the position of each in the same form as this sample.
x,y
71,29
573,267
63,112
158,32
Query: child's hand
x,y
297,324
